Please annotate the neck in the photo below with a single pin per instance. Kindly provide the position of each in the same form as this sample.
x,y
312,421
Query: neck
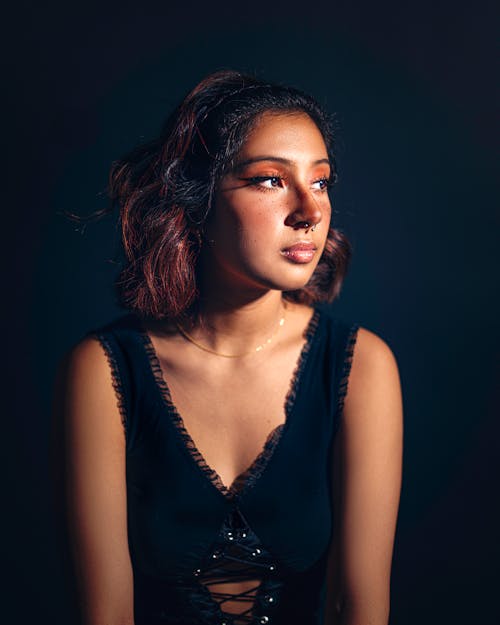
x,y
238,324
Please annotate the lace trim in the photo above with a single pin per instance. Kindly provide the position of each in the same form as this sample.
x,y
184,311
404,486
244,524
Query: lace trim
x,y
189,446
249,477
309,334
115,375
346,368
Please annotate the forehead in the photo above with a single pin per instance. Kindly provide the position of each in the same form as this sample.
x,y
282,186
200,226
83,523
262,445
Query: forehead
x,y
285,135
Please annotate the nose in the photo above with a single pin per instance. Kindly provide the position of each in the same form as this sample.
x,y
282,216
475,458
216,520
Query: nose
x,y
306,212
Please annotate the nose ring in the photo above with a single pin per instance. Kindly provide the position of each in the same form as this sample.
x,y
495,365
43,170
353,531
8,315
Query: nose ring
x,y
307,225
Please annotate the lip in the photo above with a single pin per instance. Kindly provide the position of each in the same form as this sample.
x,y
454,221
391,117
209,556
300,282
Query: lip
x,y
301,252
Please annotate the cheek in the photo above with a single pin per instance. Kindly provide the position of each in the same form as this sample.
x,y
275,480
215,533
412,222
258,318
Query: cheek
x,y
252,220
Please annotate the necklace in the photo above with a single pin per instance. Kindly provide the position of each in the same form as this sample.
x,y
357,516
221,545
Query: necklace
x,y
259,348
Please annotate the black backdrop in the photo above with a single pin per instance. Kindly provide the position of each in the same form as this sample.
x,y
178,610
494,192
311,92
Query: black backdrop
x,y
413,88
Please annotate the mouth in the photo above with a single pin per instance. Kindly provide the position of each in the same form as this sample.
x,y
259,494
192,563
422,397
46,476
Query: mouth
x,y
300,252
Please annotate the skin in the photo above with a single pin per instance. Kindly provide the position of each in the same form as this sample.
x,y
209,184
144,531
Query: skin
x,y
264,205
262,208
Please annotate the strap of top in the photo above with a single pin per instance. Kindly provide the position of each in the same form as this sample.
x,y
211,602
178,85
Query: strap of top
x,y
341,344
350,338
124,344
119,340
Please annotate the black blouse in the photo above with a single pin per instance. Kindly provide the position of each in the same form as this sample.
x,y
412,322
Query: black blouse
x,y
187,531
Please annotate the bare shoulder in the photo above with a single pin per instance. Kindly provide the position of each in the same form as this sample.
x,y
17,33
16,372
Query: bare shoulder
x,y
85,388
85,364
372,351
372,359
85,355
374,378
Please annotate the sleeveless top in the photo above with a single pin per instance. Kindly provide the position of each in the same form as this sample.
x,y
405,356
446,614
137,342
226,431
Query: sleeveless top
x,y
187,531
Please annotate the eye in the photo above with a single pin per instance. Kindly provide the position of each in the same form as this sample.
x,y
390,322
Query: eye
x,y
272,181
322,184
267,182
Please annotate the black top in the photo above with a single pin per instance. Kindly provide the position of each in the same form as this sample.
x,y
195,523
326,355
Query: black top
x,y
186,530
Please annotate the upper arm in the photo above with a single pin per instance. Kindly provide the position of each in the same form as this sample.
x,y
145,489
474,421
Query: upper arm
x,y
93,453
367,476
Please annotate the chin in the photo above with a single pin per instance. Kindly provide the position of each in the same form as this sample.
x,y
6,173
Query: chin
x,y
289,283
276,276
297,277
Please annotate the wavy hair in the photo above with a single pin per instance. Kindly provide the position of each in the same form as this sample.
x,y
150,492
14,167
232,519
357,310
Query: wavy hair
x,y
165,190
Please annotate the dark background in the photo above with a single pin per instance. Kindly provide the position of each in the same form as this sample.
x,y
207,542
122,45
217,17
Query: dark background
x,y
412,85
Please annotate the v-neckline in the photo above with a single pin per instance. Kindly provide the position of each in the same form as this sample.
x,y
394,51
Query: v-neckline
x,y
250,476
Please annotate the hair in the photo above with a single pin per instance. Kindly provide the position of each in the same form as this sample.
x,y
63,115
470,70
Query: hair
x,y
165,191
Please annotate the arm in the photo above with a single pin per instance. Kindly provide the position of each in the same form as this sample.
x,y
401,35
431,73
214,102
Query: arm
x,y
367,476
94,487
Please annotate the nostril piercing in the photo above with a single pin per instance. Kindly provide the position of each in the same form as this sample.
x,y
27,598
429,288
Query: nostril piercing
x,y
307,225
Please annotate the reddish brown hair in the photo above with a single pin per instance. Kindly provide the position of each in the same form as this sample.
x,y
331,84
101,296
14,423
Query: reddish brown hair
x,y
165,190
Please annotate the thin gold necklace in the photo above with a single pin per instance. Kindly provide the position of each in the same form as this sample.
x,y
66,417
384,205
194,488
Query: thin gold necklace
x,y
259,348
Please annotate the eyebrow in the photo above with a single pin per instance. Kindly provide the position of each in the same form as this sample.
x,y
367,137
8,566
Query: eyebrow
x,y
276,159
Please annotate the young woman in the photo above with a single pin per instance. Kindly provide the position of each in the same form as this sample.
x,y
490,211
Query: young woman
x,y
233,450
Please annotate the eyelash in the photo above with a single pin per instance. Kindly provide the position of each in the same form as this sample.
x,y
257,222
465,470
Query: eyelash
x,y
257,180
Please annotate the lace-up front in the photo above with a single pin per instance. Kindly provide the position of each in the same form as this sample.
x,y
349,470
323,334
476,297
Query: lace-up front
x,y
238,556
249,554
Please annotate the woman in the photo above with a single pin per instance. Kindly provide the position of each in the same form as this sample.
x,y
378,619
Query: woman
x,y
233,450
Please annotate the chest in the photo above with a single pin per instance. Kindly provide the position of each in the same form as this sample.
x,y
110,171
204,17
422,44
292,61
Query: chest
x,y
230,412
185,452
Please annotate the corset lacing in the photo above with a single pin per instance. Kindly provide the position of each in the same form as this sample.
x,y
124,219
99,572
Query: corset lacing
x,y
238,555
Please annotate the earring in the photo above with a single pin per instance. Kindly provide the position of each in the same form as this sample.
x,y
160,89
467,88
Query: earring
x,y
314,228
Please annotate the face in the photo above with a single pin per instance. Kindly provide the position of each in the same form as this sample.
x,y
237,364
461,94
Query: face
x,y
266,208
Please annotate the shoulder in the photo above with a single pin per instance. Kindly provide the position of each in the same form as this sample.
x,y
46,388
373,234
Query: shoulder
x,y
374,382
86,353
85,369
366,350
96,353
94,364
87,401
372,353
